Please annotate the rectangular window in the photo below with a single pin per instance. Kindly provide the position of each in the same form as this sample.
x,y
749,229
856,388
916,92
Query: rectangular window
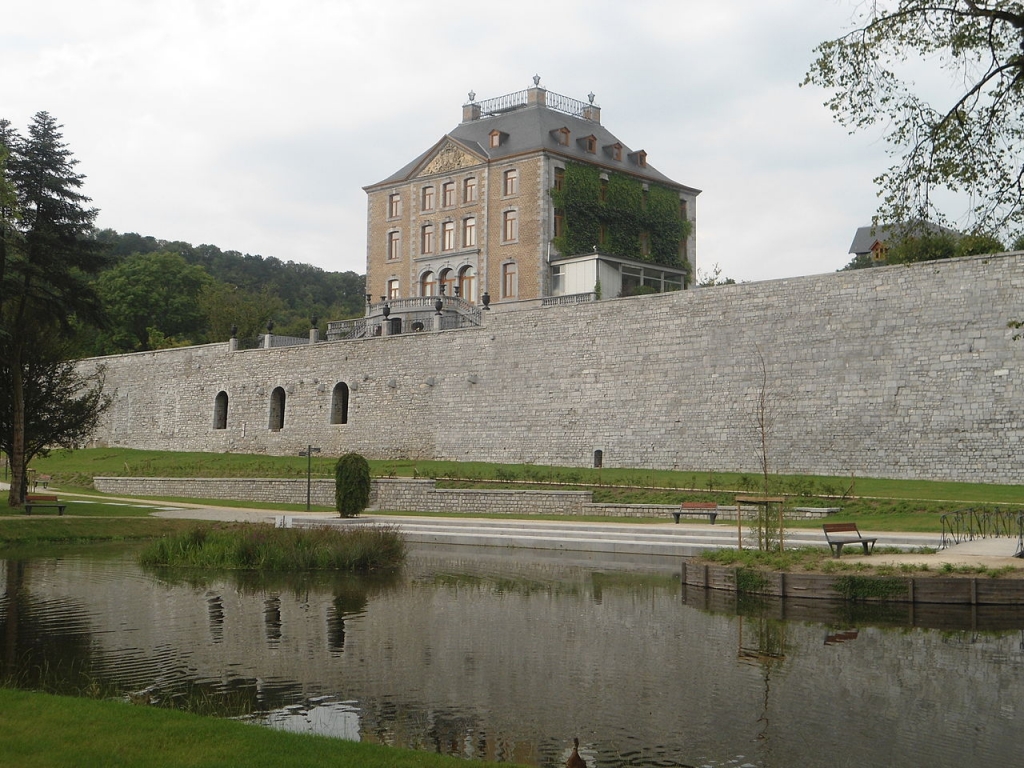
x,y
510,232
469,190
559,178
427,239
557,281
603,194
428,199
394,245
392,289
469,233
508,281
448,236
559,223
448,194
394,206
511,185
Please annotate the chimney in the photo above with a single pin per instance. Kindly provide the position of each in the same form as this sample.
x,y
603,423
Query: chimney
x,y
470,110
536,95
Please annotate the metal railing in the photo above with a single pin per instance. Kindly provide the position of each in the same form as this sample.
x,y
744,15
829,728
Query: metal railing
x,y
260,341
970,524
555,101
417,314
347,329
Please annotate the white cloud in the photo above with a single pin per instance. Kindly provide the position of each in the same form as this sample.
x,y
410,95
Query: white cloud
x,y
253,125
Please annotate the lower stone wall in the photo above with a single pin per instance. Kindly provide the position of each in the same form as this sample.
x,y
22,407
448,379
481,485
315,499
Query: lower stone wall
x,y
399,494
423,496
408,494
266,490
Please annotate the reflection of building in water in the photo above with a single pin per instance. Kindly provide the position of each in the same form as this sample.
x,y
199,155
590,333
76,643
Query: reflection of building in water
x,y
511,666
215,609
272,618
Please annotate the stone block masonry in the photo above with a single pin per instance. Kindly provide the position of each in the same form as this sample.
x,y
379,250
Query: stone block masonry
x,y
903,371
398,495
387,494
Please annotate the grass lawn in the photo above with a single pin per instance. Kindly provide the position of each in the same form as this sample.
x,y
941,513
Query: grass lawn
x,y
41,730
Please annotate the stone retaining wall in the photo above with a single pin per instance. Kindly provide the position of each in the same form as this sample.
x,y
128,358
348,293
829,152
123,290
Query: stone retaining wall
x,y
900,371
404,494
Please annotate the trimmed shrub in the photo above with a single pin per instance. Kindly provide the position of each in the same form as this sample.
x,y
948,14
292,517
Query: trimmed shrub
x,y
352,484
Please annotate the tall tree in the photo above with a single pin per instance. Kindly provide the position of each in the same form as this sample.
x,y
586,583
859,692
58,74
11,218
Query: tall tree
x,y
152,294
970,139
46,263
62,405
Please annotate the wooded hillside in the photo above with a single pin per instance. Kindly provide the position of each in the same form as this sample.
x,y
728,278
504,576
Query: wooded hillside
x,y
161,293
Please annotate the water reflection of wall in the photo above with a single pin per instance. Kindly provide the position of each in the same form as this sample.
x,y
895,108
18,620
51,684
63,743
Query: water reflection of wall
x,y
513,665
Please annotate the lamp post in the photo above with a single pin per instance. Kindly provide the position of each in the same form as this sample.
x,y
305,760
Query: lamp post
x,y
308,453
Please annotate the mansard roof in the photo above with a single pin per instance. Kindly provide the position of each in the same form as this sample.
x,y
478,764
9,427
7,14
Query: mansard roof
x,y
531,128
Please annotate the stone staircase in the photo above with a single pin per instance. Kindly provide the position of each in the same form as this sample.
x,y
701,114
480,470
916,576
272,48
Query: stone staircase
x,y
682,540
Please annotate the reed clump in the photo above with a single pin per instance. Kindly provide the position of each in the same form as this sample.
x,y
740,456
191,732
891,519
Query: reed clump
x,y
264,547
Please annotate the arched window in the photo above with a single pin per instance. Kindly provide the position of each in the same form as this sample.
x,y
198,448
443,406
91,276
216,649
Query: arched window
x,y
220,411
446,277
467,278
339,404
277,408
427,284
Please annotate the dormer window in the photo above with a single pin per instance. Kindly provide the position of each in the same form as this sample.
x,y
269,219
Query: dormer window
x,y
561,135
497,138
640,158
589,144
614,151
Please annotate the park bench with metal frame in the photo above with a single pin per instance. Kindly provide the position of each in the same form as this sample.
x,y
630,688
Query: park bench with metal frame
x,y
836,543
706,509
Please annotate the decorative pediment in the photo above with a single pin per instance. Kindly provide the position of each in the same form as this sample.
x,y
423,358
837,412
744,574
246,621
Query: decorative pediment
x,y
449,157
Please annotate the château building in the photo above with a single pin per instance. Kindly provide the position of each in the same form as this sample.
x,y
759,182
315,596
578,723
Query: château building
x,y
529,197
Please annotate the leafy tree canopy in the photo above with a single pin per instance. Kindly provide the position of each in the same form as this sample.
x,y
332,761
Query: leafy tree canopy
x,y
969,138
153,291
166,293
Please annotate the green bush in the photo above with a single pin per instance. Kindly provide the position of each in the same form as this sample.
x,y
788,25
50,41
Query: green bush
x,y
352,484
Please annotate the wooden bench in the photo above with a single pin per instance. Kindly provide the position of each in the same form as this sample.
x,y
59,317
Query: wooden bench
x,y
37,500
837,542
41,479
706,509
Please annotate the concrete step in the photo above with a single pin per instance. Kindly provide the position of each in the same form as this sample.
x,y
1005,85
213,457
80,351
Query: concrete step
x,y
682,540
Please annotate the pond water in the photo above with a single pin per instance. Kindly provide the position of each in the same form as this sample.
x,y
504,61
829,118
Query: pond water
x,y
499,656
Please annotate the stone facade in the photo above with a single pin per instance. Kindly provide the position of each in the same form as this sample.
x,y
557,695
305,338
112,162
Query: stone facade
x,y
901,371
443,218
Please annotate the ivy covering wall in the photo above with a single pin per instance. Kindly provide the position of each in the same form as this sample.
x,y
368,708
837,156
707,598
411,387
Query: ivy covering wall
x,y
626,216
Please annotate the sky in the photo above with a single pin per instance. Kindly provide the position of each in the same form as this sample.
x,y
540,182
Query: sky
x,y
254,125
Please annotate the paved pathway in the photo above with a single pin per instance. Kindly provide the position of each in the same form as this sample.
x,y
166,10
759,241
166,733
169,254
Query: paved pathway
x,y
612,539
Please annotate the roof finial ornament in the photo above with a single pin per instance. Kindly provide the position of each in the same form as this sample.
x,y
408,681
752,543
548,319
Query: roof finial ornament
x,y
591,97
472,96
536,80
